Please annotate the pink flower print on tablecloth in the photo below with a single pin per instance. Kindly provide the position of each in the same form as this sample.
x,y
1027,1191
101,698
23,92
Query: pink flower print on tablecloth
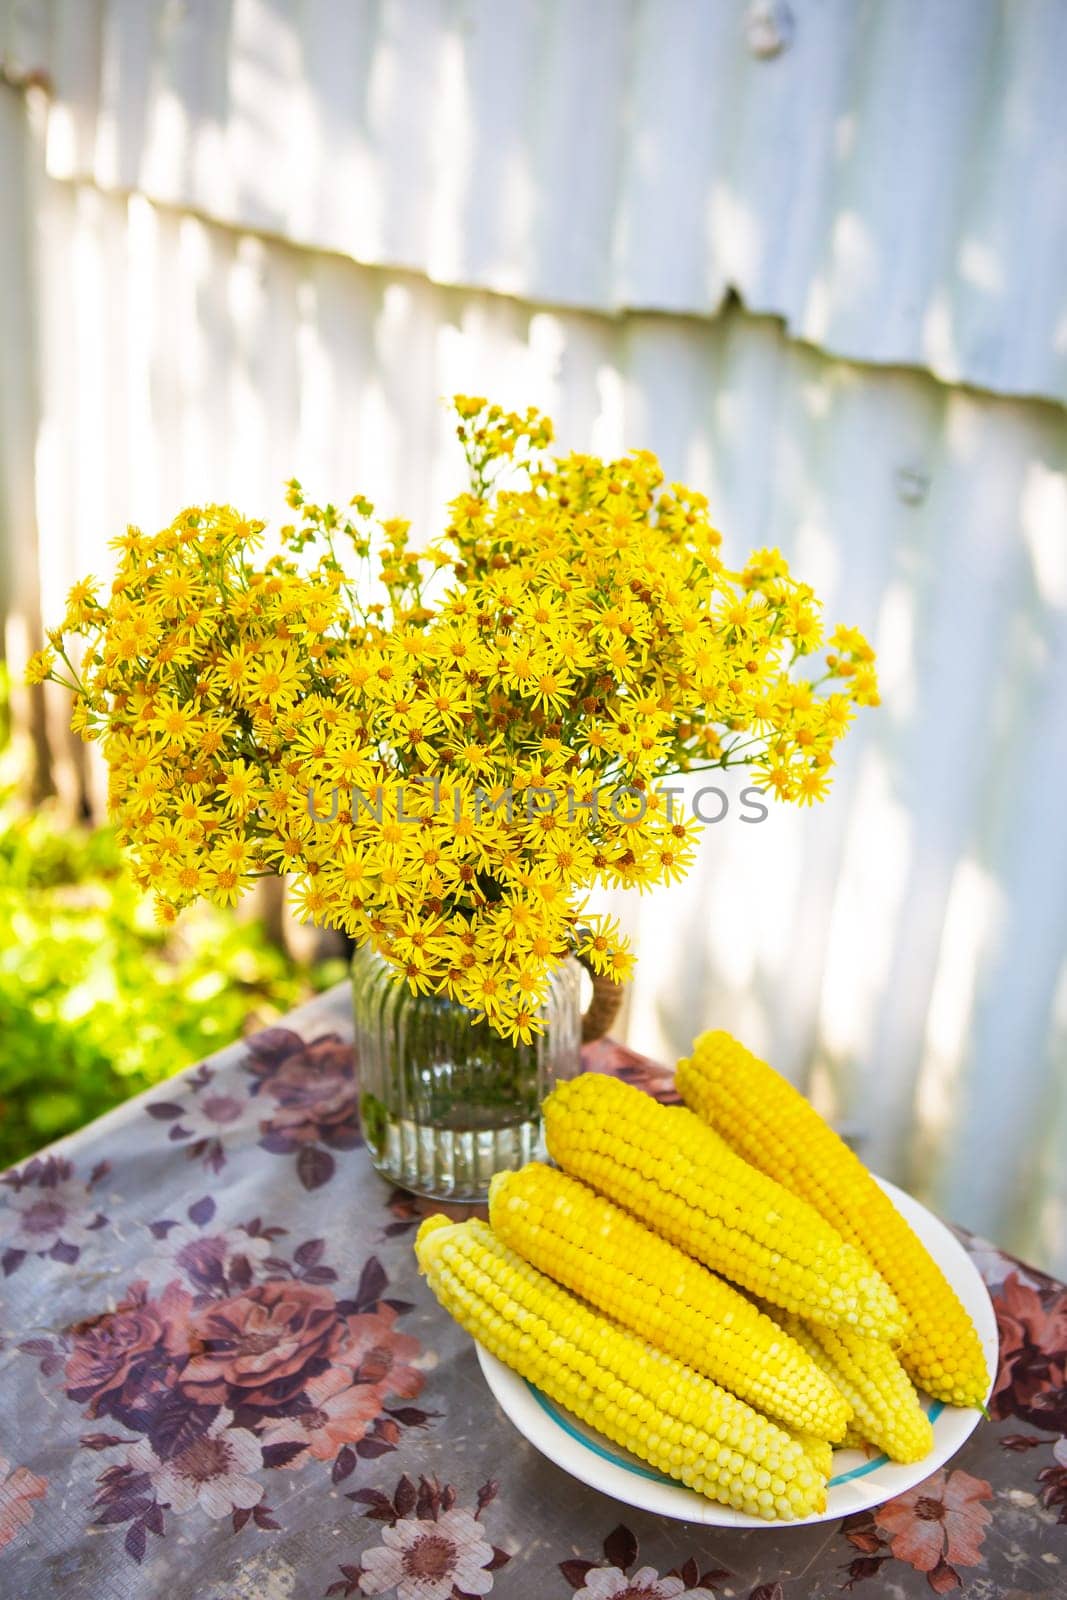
x,y
210,1471
261,1347
1033,1355
938,1526
19,1488
348,1399
339,1413
428,1560
121,1361
940,1517
430,1549
375,1351
620,1578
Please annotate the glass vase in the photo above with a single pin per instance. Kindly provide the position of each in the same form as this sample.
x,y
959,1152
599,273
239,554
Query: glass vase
x,y
446,1102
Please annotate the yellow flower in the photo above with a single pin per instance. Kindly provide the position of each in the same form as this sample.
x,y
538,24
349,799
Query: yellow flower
x,y
41,665
132,542
186,879
283,850
552,689
177,722
864,688
274,680
176,585
241,787
225,884
812,785
309,900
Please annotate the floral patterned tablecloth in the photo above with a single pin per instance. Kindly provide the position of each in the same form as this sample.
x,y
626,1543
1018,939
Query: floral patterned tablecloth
x,y
221,1377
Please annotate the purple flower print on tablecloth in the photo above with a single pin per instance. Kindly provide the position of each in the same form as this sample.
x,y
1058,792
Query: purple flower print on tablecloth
x,y
308,1097
1053,1481
1033,1355
241,1362
619,1577
430,1549
302,1100
207,1257
19,1488
202,1111
46,1209
214,1113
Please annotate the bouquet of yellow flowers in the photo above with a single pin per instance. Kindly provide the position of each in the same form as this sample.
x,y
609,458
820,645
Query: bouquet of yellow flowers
x,y
448,748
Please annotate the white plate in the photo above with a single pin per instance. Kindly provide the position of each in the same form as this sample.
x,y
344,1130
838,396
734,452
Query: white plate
x,y
858,1482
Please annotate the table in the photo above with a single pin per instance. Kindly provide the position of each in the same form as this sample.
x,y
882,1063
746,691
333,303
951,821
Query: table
x,y
221,1377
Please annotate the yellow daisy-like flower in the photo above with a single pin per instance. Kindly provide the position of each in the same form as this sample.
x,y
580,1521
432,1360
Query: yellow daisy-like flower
x,y
41,665
177,722
274,680
241,787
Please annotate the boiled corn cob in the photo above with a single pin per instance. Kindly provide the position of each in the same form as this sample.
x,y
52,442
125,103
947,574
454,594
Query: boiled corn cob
x,y
820,1452
664,1165
679,1422
770,1123
591,1246
886,1407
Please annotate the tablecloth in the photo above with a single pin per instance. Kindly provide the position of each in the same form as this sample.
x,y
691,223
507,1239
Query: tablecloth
x,y
221,1377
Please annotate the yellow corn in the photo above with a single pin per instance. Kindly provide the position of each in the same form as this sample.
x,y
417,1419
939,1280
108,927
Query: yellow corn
x,y
770,1123
854,1439
820,1452
589,1245
679,1422
886,1407
664,1165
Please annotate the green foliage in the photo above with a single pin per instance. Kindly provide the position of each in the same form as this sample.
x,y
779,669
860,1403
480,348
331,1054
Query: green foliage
x,y
96,1001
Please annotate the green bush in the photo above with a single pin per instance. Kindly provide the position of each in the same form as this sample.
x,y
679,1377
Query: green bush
x,y
96,1001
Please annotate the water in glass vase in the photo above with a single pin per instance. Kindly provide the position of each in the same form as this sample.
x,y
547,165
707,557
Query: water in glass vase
x,y
445,1101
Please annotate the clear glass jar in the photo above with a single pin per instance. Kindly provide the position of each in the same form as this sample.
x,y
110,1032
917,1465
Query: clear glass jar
x,y
446,1102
